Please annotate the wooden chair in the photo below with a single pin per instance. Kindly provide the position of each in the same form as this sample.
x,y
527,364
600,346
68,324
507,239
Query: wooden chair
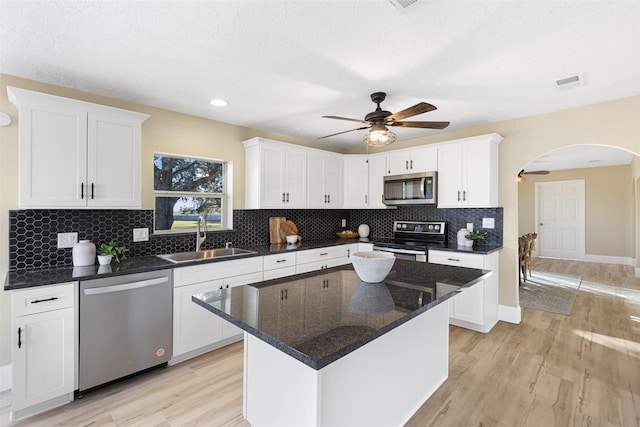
x,y
530,246
522,249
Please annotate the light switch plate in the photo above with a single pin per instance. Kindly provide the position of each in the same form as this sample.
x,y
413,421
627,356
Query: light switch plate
x,y
344,223
470,226
67,240
488,223
140,234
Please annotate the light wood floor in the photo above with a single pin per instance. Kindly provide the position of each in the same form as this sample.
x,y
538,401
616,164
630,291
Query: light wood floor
x,y
551,370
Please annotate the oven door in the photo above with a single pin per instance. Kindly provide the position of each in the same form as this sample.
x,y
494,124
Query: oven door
x,y
409,254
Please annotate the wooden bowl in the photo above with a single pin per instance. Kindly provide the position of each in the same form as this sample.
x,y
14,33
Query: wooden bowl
x,y
351,235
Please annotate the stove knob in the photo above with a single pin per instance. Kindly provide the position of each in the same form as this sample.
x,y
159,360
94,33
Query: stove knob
x,y
430,226
404,226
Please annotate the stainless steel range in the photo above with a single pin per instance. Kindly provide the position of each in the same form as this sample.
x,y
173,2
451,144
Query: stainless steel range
x,y
412,238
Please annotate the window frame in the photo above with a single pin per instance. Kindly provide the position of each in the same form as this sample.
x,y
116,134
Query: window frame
x,y
225,197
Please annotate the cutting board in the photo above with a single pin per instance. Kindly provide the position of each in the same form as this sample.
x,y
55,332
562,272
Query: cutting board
x,y
288,228
274,229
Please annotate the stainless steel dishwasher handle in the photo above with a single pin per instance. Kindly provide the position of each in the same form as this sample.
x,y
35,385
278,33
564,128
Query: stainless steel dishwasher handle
x,y
126,286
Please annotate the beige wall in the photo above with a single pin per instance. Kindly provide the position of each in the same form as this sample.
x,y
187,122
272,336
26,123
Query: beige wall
x,y
609,208
612,123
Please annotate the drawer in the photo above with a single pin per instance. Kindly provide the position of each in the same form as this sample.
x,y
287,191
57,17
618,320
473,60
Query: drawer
x,y
44,298
318,265
320,254
271,262
216,270
458,259
277,273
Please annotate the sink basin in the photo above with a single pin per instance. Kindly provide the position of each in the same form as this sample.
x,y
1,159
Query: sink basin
x,y
204,255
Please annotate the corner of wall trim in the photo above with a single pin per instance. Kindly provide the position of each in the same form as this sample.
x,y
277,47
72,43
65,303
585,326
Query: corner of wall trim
x,y
506,313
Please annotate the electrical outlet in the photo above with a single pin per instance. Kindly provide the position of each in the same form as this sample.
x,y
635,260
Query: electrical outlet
x,y
140,234
67,240
470,226
344,223
488,223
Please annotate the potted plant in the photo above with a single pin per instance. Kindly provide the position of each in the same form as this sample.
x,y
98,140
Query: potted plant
x,y
472,236
109,251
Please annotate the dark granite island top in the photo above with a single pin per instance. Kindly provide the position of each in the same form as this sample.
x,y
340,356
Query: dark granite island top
x,y
324,349
321,316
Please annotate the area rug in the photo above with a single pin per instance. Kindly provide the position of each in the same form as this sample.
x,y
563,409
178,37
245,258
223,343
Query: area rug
x,y
550,292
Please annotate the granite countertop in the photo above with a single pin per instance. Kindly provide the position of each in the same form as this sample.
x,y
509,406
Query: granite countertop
x,y
20,279
321,316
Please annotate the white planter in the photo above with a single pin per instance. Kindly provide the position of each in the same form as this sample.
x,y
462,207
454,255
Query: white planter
x,y
104,259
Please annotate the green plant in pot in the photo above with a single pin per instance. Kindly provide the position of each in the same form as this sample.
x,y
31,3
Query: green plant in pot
x,y
472,236
109,251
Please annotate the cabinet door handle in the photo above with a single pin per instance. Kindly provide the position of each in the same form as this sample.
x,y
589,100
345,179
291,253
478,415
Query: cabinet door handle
x,y
458,195
227,286
282,197
365,199
281,295
410,164
287,197
36,301
92,191
325,198
328,198
19,337
348,253
286,293
464,195
82,190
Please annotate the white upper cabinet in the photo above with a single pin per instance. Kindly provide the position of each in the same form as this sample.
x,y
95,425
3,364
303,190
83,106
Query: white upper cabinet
x,y
421,159
77,154
468,172
324,180
363,181
275,175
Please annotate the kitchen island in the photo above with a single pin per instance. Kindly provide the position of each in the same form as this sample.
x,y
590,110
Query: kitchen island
x,y
325,349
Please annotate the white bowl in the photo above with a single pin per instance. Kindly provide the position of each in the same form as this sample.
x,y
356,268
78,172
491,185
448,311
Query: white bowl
x,y
372,266
291,239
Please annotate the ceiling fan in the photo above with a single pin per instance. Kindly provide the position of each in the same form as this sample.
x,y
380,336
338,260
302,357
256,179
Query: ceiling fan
x,y
378,120
522,173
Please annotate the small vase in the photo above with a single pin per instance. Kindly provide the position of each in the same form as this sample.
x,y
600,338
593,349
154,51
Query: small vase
x,y
104,259
84,253
363,230
468,243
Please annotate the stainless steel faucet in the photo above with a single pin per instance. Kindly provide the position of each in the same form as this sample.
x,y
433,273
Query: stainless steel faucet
x,y
201,236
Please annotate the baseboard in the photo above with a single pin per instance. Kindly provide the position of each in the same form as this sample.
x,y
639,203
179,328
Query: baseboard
x,y
605,259
506,313
5,377
637,271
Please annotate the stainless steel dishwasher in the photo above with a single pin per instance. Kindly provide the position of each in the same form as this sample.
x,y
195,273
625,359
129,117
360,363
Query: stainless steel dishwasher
x,y
125,326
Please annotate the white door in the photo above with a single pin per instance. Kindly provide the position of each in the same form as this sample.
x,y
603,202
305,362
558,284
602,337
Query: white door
x,y
296,178
424,159
560,219
450,176
356,182
377,165
272,179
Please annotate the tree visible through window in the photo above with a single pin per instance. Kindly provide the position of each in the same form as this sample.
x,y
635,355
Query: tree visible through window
x,y
186,188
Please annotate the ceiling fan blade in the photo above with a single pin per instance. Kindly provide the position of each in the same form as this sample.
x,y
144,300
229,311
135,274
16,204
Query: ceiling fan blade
x,y
419,108
339,133
540,172
345,118
428,125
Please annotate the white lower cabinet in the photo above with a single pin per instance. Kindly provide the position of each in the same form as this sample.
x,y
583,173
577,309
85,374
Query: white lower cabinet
x,y
475,307
320,258
43,343
279,265
196,330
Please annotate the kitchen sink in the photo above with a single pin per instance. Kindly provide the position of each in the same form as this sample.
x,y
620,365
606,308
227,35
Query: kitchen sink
x,y
204,255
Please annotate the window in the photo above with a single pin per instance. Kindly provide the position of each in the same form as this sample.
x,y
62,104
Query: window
x,y
186,188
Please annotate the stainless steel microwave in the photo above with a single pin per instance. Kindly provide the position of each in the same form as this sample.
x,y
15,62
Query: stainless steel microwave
x,y
410,189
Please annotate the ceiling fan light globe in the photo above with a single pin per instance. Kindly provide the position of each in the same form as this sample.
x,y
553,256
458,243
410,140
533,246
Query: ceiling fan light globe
x,y
379,138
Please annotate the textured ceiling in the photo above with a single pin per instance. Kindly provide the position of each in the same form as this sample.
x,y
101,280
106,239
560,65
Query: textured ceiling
x,y
283,64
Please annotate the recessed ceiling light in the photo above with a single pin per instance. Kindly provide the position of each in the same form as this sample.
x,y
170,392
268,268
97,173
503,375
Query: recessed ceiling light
x,y
218,102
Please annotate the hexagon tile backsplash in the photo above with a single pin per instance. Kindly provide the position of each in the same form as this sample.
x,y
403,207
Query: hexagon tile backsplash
x,y
33,232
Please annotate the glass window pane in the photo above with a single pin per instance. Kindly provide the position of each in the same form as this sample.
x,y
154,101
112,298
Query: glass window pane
x,y
181,213
189,175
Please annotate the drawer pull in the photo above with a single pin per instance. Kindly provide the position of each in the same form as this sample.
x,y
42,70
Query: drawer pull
x,y
36,301
281,260
324,253
453,259
19,337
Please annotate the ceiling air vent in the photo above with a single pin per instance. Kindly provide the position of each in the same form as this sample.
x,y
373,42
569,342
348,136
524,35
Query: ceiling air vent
x,y
403,5
569,82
